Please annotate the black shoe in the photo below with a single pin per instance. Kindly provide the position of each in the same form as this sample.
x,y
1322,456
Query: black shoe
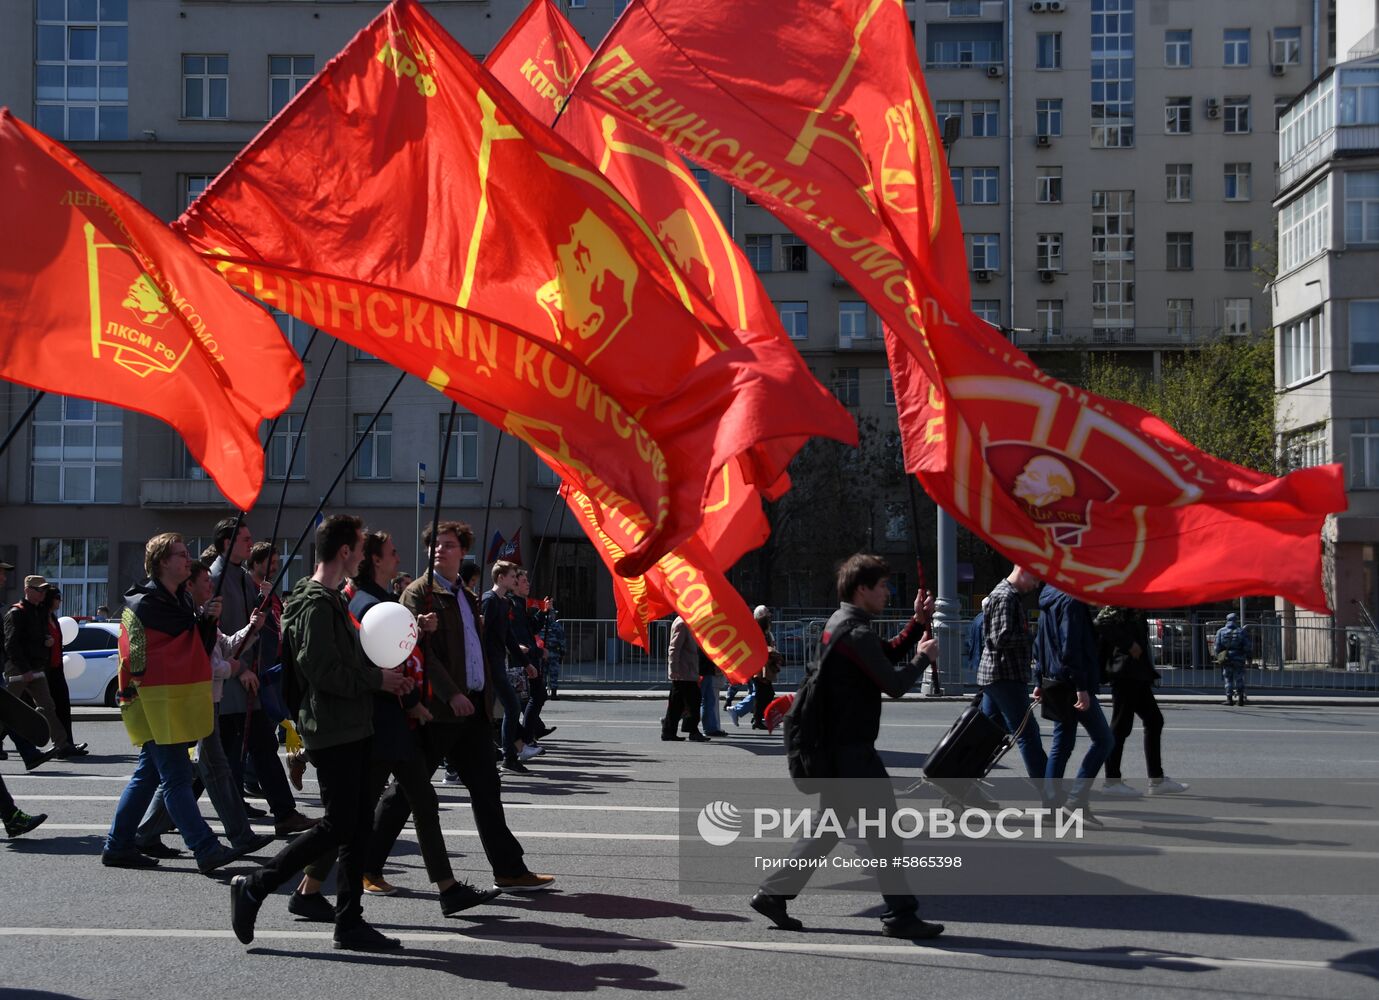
x,y
462,896
758,725
698,738
20,823
217,858
128,858
255,844
773,909
546,731
313,907
42,758
3,754
716,732
1242,701
672,738
158,849
254,812
1230,700
244,909
363,937
1089,819
911,928
515,765
76,750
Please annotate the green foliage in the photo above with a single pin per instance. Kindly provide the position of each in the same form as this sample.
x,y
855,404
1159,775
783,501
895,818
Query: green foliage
x,y
1220,398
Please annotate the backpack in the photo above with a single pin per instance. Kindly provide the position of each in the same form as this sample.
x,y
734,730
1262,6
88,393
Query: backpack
x,y
806,755
290,681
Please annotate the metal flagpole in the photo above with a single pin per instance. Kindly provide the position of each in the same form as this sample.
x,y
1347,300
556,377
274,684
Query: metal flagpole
x,y
23,419
488,507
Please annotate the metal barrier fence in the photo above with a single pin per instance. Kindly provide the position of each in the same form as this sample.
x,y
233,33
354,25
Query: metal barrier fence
x,y
1308,655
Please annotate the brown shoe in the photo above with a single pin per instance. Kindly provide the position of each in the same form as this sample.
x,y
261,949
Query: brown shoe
x,y
530,882
292,823
296,768
377,885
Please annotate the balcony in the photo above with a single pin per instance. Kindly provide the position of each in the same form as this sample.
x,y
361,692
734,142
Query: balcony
x,y
1342,139
185,493
1139,336
855,345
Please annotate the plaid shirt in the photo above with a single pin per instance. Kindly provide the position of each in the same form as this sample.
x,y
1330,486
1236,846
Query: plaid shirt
x,y
1005,638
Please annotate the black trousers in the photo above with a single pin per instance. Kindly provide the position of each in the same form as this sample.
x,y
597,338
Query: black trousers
x,y
468,747
262,747
345,828
765,694
1130,698
846,800
531,719
62,698
682,706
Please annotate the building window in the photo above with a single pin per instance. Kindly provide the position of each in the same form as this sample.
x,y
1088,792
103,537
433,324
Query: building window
x,y
78,450
794,255
374,460
1178,49
964,8
961,46
846,386
1362,207
359,354
1049,50
1179,251
986,118
286,76
1180,317
1364,334
701,177
758,247
955,176
80,567
206,86
81,69
1304,449
462,460
852,322
794,316
1048,116
1359,97
1113,260
1236,115
889,392
1237,317
1237,182
1178,181
1238,256
280,447
1364,454
1304,226
988,310
1300,349
189,468
946,110
1050,252
985,251
1237,44
1113,74
193,185
1287,46
1178,115
986,185
297,332
574,5
1048,319
1048,185
545,475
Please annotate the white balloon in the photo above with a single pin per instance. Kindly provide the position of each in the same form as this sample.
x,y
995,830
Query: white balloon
x,y
73,665
388,632
69,629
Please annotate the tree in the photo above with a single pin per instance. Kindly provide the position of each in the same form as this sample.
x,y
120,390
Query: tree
x,y
1221,398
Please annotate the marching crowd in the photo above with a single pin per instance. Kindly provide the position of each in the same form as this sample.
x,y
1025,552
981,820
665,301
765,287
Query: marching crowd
x,y
213,663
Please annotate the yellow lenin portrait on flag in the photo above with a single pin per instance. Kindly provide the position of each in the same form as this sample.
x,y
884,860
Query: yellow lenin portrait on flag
x,y
590,298
129,312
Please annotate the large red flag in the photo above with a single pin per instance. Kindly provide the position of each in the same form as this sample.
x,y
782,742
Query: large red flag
x,y
99,299
821,114
407,204
538,59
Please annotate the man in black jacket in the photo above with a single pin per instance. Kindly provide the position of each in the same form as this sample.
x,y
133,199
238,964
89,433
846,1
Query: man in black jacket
x,y
28,652
859,667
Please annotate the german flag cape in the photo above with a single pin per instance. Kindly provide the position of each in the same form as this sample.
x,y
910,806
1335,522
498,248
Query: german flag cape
x,y
165,667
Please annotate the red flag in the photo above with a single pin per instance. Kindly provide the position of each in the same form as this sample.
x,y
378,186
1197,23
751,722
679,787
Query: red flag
x,y
821,115
410,206
99,299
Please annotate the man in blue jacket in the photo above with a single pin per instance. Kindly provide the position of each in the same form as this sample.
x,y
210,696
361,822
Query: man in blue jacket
x,y
1235,644
1068,681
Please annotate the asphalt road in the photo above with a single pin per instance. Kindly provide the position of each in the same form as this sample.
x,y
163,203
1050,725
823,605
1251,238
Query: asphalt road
x,y
601,814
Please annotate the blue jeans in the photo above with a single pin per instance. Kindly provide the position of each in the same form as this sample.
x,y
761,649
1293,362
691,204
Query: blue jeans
x,y
1234,676
213,767
1007,702
1098,729
708,690
170,767
512,712
745,705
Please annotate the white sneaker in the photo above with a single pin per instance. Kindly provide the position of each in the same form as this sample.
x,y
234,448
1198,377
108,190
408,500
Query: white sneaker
x,y
1120,788
528,752
1167,786
451,778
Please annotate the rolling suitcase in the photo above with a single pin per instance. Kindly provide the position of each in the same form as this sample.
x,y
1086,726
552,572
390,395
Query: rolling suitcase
x,y
973,745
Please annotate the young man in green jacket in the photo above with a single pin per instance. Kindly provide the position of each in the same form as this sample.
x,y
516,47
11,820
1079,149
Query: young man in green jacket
x,y
337,685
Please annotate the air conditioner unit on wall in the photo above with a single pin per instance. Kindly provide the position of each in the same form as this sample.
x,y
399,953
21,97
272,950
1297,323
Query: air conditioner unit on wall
x,y
994,71
1055,6
1043,141
1213,108
1038,7
1046,277
981,274
1278,69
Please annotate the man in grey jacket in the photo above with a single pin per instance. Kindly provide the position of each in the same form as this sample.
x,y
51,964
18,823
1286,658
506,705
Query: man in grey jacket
x,y
243,726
